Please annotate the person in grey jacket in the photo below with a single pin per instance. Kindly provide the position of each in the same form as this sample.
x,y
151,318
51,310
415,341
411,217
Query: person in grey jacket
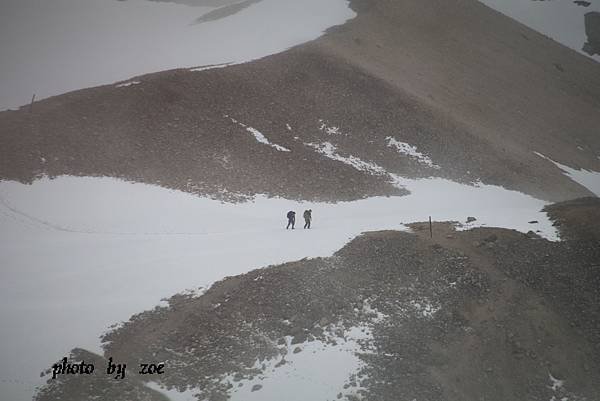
x,y
307,218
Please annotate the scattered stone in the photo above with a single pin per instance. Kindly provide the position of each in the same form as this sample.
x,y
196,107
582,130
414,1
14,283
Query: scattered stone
x,y
299,338
316,332
297,350
256,387
471,219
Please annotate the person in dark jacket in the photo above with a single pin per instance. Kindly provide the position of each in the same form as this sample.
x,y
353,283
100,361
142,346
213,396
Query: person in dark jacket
x,y
291,216
307,218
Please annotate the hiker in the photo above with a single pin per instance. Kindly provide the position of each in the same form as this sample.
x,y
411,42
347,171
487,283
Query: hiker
x,y
307,218
291,219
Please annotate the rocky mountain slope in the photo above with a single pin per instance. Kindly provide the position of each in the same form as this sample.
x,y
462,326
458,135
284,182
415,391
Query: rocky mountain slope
x,y
463,86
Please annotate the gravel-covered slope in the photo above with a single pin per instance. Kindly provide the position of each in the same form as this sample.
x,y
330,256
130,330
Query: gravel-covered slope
x,y
472,90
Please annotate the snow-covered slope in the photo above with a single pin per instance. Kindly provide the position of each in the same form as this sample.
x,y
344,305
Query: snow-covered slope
x,y
49,48
562,21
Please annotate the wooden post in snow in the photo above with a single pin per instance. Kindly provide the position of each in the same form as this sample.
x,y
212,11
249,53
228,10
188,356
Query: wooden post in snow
x,y
430,228
31,104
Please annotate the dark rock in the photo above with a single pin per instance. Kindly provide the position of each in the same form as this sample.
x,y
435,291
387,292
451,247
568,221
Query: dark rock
x,y
592,30
299,338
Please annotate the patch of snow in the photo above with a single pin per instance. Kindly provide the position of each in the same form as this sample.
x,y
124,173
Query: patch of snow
x,y
409,150
377,316
587,178
209,67
330,151
330,130
262,139
556,383
287,126
455,195
81,253
258,135
126,84
173,394
194,292
319,371
495,206
424,308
